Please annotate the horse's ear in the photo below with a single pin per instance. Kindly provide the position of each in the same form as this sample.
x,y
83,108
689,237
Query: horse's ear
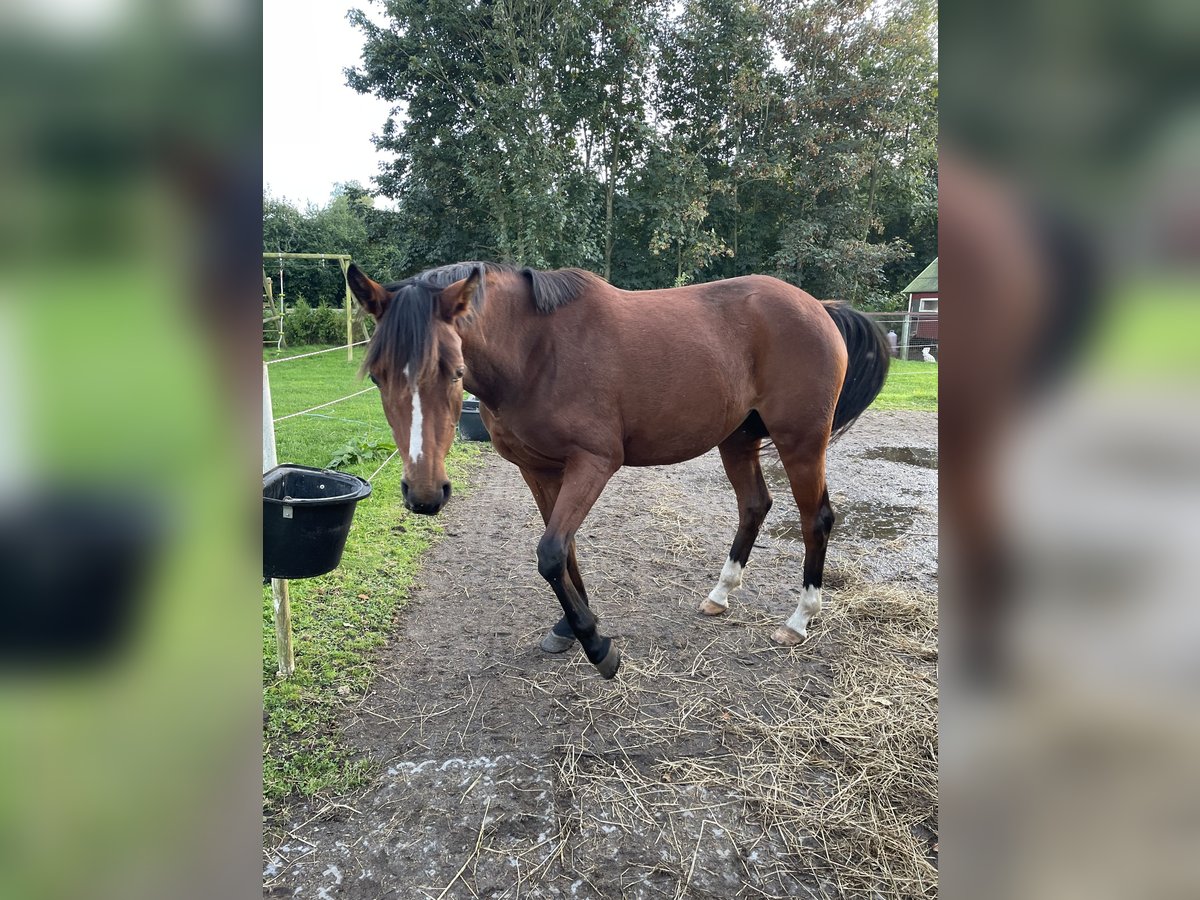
x,y
370,294
456,299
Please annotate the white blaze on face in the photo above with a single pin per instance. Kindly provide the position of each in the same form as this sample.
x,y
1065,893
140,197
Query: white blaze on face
x,y
415,437
809,606
730,580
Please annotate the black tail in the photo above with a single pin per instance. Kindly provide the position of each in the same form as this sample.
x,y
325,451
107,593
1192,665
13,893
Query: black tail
x,y
868,366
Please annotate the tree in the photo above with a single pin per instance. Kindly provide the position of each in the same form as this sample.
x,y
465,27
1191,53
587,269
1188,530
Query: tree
x,y
651,142
681,211
613,114
717,93
860,82
487,146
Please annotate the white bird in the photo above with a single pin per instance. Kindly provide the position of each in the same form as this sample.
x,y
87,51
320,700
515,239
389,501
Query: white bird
x,y
927,356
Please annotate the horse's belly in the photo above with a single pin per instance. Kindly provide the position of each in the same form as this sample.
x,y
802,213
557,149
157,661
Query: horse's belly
x,y
677,422
669,444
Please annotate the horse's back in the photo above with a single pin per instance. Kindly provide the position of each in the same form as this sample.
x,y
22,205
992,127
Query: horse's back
x,y
755,322
684,367
788,332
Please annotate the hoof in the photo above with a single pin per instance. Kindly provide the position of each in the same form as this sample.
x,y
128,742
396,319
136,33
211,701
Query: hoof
x,y
785,637
556,643
708,608
608,666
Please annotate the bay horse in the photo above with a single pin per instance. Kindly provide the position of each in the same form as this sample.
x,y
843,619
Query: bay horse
x,y
577,378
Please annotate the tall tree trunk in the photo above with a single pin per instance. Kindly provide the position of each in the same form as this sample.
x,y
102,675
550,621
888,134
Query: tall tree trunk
x,y
608,236
614,153
502,234
871,188
871,199
608,209
735,225
870,212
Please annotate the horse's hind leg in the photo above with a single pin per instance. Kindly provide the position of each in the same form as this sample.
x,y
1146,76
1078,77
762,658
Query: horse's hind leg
x,y
804,463
739,454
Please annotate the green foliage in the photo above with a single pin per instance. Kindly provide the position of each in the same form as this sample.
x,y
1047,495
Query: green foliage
x,y
304,324
656,143
360,450
881,302
348,224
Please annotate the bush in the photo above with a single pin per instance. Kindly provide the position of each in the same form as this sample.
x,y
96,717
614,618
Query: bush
x,y
360,450
305,324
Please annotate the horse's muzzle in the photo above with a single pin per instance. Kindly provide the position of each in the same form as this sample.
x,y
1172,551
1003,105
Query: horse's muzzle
x,y
425,506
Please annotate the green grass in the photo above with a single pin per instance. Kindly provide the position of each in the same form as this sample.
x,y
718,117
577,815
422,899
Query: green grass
x,y
339,618
910,385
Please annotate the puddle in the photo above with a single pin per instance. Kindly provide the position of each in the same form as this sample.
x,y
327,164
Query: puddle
x,y
860,521
864,521
909,456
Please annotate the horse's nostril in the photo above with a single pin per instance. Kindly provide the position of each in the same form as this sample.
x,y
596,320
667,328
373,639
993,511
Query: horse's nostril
x,y
404,488
445,491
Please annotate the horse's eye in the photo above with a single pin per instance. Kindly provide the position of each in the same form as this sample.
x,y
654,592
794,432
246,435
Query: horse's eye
x,y
374,380
458,373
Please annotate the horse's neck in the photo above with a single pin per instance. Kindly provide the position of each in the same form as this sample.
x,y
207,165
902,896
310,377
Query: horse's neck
x,y
493,348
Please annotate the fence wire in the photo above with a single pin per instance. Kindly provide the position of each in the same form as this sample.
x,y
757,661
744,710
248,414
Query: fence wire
x,y
271,362
382,464
304,412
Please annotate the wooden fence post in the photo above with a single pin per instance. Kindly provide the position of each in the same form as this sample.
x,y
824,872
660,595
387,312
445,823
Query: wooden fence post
x,y
345,264
279,587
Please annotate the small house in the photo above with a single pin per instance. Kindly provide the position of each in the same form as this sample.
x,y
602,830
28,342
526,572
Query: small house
x,y
921,323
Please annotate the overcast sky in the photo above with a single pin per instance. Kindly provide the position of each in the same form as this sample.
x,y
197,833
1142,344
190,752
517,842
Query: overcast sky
x,y
316,130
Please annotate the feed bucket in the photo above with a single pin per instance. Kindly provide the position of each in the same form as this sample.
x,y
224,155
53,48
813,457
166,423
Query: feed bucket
x,y
306,518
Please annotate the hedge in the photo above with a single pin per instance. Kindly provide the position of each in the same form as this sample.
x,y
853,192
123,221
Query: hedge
x,y
305,324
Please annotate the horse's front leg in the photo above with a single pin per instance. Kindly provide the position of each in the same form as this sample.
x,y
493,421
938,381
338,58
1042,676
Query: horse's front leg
x,y
583,481
561,637
545,487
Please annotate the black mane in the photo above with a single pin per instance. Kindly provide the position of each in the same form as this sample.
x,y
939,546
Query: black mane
x,y
552,290
403,335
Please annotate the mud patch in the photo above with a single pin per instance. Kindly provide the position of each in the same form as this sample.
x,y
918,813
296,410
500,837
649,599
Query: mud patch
x,y
908,456
858,521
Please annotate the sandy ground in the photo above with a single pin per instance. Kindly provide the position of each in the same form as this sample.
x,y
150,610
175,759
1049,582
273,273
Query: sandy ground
x,y
507,772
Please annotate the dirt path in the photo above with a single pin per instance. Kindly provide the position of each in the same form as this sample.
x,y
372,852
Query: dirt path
x,y
507,772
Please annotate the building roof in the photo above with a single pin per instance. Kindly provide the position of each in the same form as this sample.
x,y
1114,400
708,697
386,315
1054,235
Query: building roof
x,y
926,282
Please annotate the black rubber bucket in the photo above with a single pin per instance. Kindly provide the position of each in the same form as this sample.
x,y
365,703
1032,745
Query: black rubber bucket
x,y
306,518
470,424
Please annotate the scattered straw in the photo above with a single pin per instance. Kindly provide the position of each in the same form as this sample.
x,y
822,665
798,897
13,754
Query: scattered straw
x,y
823,776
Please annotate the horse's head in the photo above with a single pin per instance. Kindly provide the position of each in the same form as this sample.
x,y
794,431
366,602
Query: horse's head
x,y
415,358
